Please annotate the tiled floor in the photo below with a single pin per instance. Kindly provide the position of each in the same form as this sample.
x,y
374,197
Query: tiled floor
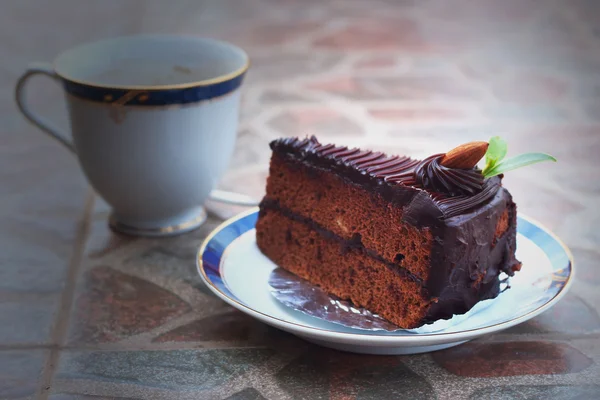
x,y
85,313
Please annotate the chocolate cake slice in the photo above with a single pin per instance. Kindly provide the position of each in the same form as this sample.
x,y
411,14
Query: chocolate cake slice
x,y
413,241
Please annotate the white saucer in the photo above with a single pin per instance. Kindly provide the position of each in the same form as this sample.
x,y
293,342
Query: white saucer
x,y
232,266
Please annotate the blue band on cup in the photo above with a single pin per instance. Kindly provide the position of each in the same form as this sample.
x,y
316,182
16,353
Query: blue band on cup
x,y
153,97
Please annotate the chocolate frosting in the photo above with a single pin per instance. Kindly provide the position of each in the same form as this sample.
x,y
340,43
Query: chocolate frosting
x,y
459,208
451,191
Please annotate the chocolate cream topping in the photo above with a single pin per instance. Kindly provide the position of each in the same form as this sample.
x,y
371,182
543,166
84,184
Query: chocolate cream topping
x,y
452,191
431,174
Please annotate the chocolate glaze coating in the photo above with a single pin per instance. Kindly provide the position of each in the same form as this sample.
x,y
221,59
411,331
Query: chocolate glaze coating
x,y
451,191
464,251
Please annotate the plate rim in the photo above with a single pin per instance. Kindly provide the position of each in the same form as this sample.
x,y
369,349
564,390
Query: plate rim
x,y
375,339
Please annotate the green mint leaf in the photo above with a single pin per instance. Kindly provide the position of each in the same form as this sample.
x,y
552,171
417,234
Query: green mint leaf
x,y
495,153
515,162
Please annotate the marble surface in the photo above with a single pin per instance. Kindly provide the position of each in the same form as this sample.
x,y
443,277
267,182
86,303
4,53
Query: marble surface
x,y
88,314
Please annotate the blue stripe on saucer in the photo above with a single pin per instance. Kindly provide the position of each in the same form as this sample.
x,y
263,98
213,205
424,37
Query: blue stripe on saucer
x,y
158,97
211,258
561,262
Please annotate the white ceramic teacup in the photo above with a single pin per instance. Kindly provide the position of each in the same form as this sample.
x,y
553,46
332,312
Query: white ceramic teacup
x,y
153,121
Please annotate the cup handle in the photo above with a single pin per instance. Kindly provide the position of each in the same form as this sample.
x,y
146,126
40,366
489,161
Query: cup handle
x,y
20,98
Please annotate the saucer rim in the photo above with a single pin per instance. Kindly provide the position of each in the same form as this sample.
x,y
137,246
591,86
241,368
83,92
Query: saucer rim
x,y
375,339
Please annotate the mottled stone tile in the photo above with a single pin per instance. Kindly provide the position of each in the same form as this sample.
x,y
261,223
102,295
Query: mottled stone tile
x,y
592,109
268,33
558,209
320,122
114,306
376,61
41,204
587,90
278,97
20,371
559,29
430,115
582,230
570,61
36,174
27,322
250,110
432,65
534,392
174,369
573,179
587,263
398,88
575,174
509,12
530,87
590,346
247,394
226,211
529,113
249,181
444,136
585,10
482,69
230,326
323,373
78,396
398,32
102,241
284,65
173,259
376,34
250,149
571,315
481,359
40,271
161,254
582,144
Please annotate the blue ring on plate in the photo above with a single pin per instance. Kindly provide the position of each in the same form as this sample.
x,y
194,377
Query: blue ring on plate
x,y
153,97
552,247
211,257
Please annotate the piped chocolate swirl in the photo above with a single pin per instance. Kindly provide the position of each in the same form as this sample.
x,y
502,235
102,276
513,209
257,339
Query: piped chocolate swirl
x,y
431,174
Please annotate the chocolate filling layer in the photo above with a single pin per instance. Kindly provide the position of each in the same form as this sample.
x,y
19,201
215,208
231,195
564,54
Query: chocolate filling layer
x,y
354,243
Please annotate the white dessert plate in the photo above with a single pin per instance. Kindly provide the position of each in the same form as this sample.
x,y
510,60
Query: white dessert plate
x,y
232,266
